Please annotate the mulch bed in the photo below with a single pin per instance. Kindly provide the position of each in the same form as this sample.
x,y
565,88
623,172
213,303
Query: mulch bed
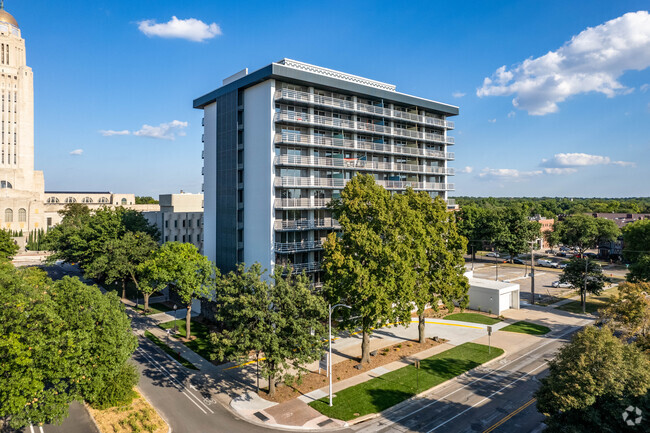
x,y
344,370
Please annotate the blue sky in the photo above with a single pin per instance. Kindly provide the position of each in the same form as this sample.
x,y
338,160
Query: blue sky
x,y
581,126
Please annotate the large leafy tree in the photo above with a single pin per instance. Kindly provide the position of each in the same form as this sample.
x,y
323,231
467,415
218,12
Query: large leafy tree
x,y
189,274
7,246
518,231
591,382
59,341
552,238
121,258
586,276
363,269
636,237
584,232
481,226
433,251
281,320
629,310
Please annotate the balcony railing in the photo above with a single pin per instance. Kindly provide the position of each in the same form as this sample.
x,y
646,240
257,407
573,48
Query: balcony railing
x,y
307,267
358,164
331,142
299,203
293,247
305,224
315,182
343,104
351,125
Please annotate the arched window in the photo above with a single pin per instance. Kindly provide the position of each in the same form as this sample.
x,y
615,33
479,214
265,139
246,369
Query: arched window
x,y
123,201
52,200
87,200
103,200
22,215
5,184
70,200
9,215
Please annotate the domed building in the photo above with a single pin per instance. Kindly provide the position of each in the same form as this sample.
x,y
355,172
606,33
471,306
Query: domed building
x,y
21,187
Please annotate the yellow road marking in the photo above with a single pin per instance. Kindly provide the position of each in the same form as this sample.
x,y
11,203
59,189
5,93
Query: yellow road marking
x,y
507,417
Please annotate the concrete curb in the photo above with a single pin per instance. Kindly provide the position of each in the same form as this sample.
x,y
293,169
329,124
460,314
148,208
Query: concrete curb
x,y
169,429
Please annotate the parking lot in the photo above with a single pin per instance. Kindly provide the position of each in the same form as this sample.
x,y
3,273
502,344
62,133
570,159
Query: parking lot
x,y
515,273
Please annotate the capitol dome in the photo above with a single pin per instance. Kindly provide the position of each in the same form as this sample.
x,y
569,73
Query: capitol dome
x,y
6,17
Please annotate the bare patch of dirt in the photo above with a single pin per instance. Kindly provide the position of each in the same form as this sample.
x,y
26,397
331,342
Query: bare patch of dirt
x,y
135,418
346,369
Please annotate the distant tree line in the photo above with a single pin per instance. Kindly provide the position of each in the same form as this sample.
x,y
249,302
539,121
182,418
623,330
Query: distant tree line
x,y
550,207
146,199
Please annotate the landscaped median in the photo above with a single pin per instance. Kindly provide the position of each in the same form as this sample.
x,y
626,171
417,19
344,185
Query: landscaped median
x,y
380,393
527,328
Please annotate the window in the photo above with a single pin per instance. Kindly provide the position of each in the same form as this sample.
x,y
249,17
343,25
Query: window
x,y
5,184
9,215
103,200
70,200
198,238
167,224
87,200
123,201
175,238
52,200
176,224
49,221
183,238
22,215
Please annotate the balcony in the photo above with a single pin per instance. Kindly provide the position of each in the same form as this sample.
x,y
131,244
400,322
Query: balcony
x,y
343,104
351,125
340,143
315,182
358,164
306,224
301,203
307,267
294,247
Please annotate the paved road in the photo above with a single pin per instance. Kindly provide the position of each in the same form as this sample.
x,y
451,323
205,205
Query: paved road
x,y
78,421
479,400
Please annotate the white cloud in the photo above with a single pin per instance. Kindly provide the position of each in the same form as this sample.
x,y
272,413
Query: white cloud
x,y
511,114
560,160
624,163
556,170
458,94
110,132
508,174
77,152
591,61
164,131
492,120
190,29
466,169
645,87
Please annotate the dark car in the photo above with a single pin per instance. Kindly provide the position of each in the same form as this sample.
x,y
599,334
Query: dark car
x,y
560,254
518,261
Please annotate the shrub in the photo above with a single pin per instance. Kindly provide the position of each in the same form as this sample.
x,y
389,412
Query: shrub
x,y
119,391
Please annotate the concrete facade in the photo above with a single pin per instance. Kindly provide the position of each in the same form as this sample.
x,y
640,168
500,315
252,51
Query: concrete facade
x,y
179,219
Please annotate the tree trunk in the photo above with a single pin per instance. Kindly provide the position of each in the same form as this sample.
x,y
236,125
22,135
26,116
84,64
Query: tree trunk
x,y
365,347
123,288
188,317
421,325
271,386
146,301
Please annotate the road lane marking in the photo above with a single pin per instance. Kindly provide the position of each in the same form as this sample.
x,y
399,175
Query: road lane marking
x,y
31,428
510,415
482,377
194,399
487,398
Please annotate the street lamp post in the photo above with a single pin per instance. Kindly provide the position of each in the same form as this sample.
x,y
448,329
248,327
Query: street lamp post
x,y
329,359
175,319
532,272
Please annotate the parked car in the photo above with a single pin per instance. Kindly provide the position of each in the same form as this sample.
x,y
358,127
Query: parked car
x,y
562,265
558,284
563,248
492,254
518,261
546,263
560,254
591,255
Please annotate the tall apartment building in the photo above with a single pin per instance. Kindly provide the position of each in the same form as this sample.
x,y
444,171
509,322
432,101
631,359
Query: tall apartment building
x,y
281,142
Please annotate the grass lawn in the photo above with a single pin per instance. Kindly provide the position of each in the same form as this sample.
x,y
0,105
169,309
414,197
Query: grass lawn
x,y
391,388
473,318
594,303
184,362
527,328
200,344
154,308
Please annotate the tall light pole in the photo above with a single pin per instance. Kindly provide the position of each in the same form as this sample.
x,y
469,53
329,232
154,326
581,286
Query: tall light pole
x,y
532,271
329,359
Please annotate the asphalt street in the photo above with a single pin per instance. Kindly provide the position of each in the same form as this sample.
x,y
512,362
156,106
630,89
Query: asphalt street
x,y
78,421
477,401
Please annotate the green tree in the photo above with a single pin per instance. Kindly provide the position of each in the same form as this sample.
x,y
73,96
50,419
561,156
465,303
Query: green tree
x,y
636,237
362,267
280,320
7,246
518,231
586,276
121,258
584,232
145,200
188,274
481,226
587,375
59,341
552,238
433,251
639,271
629,310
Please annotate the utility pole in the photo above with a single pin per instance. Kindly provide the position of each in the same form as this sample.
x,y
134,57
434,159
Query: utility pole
x,y
584,293
496,259
532,272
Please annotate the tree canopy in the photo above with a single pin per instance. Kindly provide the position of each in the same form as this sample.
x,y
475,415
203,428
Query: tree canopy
x,y
584,274
280,320
584,231
7,246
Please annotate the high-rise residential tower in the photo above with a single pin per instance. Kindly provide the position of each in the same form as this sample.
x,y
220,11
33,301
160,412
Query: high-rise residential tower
x,y
281,142
21,187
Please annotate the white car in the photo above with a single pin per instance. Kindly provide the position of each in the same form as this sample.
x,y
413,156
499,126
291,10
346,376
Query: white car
x,y
546,263
557,284
492,254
